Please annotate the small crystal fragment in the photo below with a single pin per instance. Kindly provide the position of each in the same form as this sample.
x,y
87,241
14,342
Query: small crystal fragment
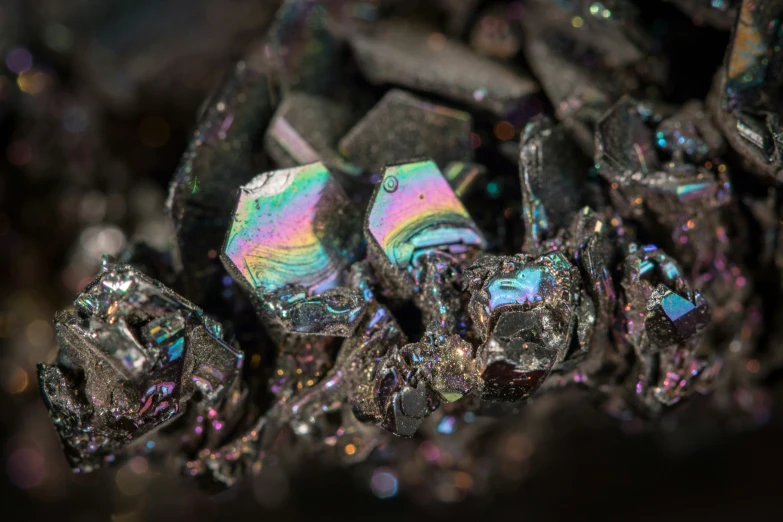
x,y
401,396
590,246
445,362
675,317
661,309
663,321
401,127
513,362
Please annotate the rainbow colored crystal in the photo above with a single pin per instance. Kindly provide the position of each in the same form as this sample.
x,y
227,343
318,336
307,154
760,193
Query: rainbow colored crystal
x,y
414,208
290,227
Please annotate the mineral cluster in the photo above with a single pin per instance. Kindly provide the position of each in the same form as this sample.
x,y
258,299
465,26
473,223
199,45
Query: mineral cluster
x,y
432,236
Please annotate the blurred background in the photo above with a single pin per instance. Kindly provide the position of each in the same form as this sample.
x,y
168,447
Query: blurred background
x,y
97,100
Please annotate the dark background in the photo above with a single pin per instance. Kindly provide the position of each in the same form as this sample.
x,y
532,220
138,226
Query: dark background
x,y
97,100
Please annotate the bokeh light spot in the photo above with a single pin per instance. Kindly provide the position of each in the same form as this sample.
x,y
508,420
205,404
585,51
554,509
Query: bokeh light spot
x,y
26,468
384,483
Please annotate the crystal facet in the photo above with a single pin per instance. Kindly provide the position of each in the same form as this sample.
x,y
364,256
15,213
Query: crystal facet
x,y
135,356
414,211
402,127
293,235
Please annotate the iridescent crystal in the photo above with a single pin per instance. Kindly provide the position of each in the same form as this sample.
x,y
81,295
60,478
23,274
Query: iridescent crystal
x,y
414,211
524,309
135,356
661,308
503,255
293,235
663,322
290,227
219,158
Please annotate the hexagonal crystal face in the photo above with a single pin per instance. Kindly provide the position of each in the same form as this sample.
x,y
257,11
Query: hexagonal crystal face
x,y
415,210
291,227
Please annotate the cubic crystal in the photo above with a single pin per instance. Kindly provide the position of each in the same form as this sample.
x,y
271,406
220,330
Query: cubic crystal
x,y
134,356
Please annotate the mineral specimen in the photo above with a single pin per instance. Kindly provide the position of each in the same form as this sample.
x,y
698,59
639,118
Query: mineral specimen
x,y
291,239
412,213
523,309
423,261
135,356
